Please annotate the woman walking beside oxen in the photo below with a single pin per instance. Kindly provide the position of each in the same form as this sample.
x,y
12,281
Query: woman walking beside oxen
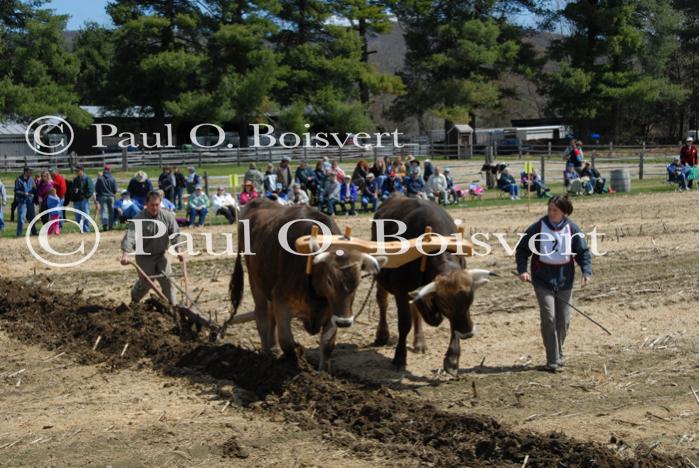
x,y
556,245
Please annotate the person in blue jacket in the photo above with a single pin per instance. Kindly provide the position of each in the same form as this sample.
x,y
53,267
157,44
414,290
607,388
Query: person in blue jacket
x,y
390,186
348,196
24,195
556,245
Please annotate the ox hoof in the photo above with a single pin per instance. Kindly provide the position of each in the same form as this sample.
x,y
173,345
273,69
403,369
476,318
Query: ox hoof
x,y
420,347
381,338
451,366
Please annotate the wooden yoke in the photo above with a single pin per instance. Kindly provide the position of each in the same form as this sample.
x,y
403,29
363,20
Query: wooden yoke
x,y
309,260
430,244
427,238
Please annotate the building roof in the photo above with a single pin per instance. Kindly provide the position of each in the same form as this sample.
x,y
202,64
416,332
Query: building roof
x,y
462,128
10,128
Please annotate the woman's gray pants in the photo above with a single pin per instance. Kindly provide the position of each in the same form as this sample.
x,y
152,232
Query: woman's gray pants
x,y
555,319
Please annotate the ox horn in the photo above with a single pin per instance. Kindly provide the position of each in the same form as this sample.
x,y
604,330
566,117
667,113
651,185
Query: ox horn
x,y
423,292
480,277
373,263
321,257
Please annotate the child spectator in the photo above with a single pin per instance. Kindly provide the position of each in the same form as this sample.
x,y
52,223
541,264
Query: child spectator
x,y
52,202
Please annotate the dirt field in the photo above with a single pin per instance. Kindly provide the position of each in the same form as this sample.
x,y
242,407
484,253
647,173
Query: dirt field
x,y
186,403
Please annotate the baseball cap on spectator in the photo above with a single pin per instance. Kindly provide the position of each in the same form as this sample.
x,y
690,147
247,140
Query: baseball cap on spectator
x,y
690,139
198,187
446,169
370,176
107,167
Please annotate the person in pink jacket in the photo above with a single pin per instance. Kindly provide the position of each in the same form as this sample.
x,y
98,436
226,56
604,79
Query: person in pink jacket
x,y
248,193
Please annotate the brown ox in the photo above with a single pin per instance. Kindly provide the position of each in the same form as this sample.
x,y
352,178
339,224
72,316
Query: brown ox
x,y
279,284
445,289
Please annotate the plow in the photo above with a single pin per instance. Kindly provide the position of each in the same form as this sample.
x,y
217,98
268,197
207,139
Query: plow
x,y
188,313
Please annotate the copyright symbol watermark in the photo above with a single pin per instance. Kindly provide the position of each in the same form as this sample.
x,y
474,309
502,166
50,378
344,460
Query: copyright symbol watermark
x,y
44,235
38,135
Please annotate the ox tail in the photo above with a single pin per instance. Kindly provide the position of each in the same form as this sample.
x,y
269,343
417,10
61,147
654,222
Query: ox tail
x,y
237,283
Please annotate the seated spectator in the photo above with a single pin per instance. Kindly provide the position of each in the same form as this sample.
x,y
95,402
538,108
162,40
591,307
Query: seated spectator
x,y
677,172
139,187
413,165
391,185
507,183
298,195
278,194
193,179
248,193
320,179
198,206
224,204
125,208
370,194
598,184
331,195
414,185
53,202
572,181
168,184
348,196
379,171
359,174
453,190
429,170
537,185
476,190
335,167
166,204
437,186
575,155
305,177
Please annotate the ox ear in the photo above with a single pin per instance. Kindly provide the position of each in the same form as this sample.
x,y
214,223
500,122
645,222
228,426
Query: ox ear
x,y
480,277
423,292
373,264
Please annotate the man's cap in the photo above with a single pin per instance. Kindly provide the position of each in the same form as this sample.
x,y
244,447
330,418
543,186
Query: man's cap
x,y
198,187
107,167
690,139
125,192
370,176
446,169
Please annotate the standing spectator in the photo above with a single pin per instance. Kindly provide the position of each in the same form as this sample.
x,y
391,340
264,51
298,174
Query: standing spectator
x,y
370,194
180,186
298,195
326,165
688,152
391,185
224,204
248,193
193,180
198,206
437,186
59,183
24,194
53,202
414,185
688,156
139,188
270,179
3,202
43,187
105,194
82,191
508,184
576,156
168,184
331,194
284,176
348,196
254,176
321,178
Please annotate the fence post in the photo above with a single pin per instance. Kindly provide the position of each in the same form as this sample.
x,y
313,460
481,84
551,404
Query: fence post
x,y
549,150
270,155
376,154
611,149
543,167
519,149
592,158
495,148
237,156
640,162
340,154
160,158
7,164
200,158
305,153
206,183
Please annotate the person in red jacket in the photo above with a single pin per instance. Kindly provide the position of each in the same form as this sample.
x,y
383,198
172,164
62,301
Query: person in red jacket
x,y
59,183
688,155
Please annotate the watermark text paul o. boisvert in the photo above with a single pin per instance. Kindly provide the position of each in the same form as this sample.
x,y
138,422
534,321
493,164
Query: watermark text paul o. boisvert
x,y
224,244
